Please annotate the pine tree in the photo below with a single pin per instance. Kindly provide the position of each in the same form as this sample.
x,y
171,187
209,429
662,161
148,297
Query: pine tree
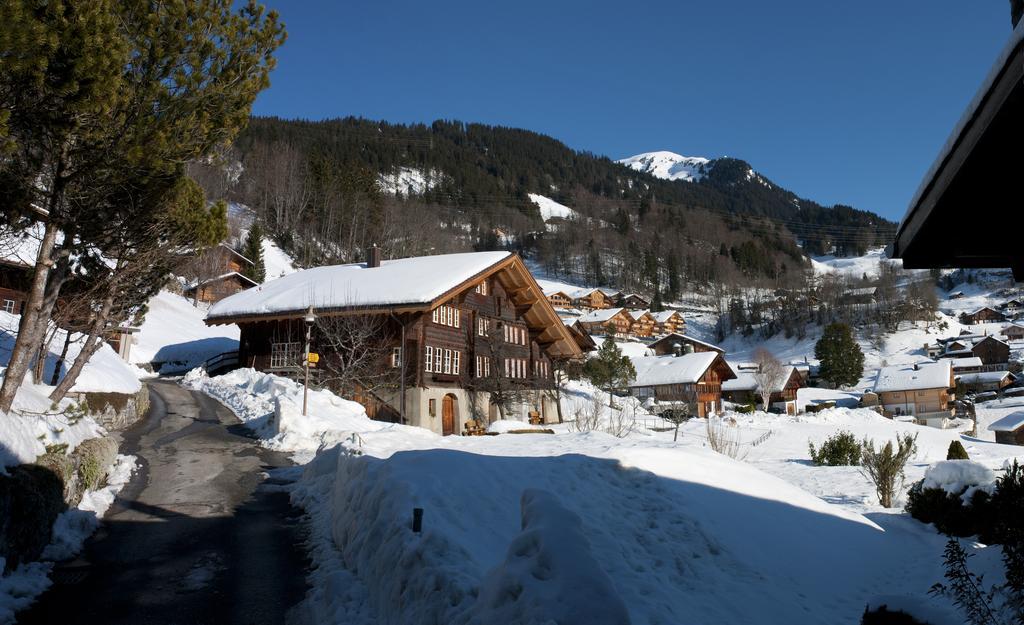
x,y
841,359
956,451
252,249
609,370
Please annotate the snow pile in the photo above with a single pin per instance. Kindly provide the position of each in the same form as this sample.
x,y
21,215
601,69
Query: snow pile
x,y
77,524
669,165
549,574
173,332
34,424
20,587
958,476
276,262
410,181
503,426
271,406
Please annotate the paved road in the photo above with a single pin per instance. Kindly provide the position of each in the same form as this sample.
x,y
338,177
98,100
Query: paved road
x,y
196,537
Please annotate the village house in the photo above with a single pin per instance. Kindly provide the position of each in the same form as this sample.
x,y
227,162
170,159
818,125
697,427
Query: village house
x,y
970,364
1009,430
592,299
579,333
668,322
219,273
994,353
457,330
692,380
598,321
643,323
558,299
744,389
983,381
14,283
675,344
632,300
918,392
1014,332
984,314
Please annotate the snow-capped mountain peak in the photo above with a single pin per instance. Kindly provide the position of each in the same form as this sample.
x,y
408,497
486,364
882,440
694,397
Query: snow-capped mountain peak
x,y
669,165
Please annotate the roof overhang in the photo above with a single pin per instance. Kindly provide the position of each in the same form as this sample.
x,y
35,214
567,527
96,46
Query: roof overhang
x,y
975,180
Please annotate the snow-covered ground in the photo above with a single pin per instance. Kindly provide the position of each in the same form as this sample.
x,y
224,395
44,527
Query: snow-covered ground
x,y
672,532
173,332
409,180
550,209
851,266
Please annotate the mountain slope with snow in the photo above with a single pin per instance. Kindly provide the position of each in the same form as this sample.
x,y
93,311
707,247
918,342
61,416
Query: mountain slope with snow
x,y
669,165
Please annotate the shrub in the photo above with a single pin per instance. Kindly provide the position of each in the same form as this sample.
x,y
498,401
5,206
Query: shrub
x,y
838,450
31,497
957,451
745,409
882,615
884,466
94,458
948,511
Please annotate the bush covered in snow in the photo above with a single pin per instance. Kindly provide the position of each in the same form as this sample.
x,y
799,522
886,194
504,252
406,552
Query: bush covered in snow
x,y
954,496
839,450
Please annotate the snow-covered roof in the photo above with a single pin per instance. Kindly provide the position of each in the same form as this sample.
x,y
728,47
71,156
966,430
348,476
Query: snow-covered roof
x,y
660,370
636,314
973,361
907,378
983,377
663,316
407,281
746,381
1010,423
230,274
600,316
687,338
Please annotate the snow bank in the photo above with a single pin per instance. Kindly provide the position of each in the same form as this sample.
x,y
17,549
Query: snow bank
x,y
549,574
34,424
503,426
20,587
956,476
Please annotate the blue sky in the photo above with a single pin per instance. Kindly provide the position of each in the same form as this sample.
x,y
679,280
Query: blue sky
x,y
838,101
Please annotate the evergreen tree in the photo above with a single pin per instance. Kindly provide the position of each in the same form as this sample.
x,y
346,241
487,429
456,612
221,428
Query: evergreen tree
x,y
841,359
956,451
252,249
609,370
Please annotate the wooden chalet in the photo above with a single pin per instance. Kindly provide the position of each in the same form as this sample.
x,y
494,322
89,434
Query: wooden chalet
x,y
744,389
643,323
1009,430
984,381
1014,332
579,333
982,315
975,177
599,321
216,289
559,299
15,277
676,344
921,393
455,329
668,322
694,380
991,350
632,300
592,299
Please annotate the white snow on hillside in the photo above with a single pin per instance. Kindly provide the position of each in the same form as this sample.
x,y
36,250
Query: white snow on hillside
x,y
276,262
853,266
173,332
669,165
409,181
550,209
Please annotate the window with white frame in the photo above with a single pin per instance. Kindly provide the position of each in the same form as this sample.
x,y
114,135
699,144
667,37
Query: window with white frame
x,y
446,316
285,354
456,357
447,361
9,306
396,357
428,360
482,288
483,326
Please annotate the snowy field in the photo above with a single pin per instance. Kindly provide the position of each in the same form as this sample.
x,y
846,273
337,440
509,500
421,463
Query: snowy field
x,y
173,332
518,526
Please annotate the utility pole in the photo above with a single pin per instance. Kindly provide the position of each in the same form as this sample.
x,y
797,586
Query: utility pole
x,y
310,319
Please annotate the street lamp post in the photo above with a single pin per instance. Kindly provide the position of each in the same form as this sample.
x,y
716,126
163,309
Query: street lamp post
x,y
310,319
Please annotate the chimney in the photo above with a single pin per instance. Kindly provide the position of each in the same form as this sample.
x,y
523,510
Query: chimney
x,y
677,349
687,348
373,257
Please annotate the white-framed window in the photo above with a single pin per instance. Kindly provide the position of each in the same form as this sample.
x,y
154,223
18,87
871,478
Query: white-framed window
x,y
435,315
456,357
483,325
447,361
428,360
508,367
285,354
455,313
10,305
396,357
482,288
446,316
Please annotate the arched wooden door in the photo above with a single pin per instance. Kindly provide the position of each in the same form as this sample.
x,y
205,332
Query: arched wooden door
x,y
448,415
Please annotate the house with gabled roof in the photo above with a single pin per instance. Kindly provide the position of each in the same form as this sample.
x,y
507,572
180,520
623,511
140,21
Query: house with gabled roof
x,y
694,380
599,321
1013,332
643,323
985,314
632,300
677,343
1009,430
920,392
745,389
668,322
452,326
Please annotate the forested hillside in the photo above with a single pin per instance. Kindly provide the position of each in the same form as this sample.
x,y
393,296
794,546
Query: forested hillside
x,y
329,189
